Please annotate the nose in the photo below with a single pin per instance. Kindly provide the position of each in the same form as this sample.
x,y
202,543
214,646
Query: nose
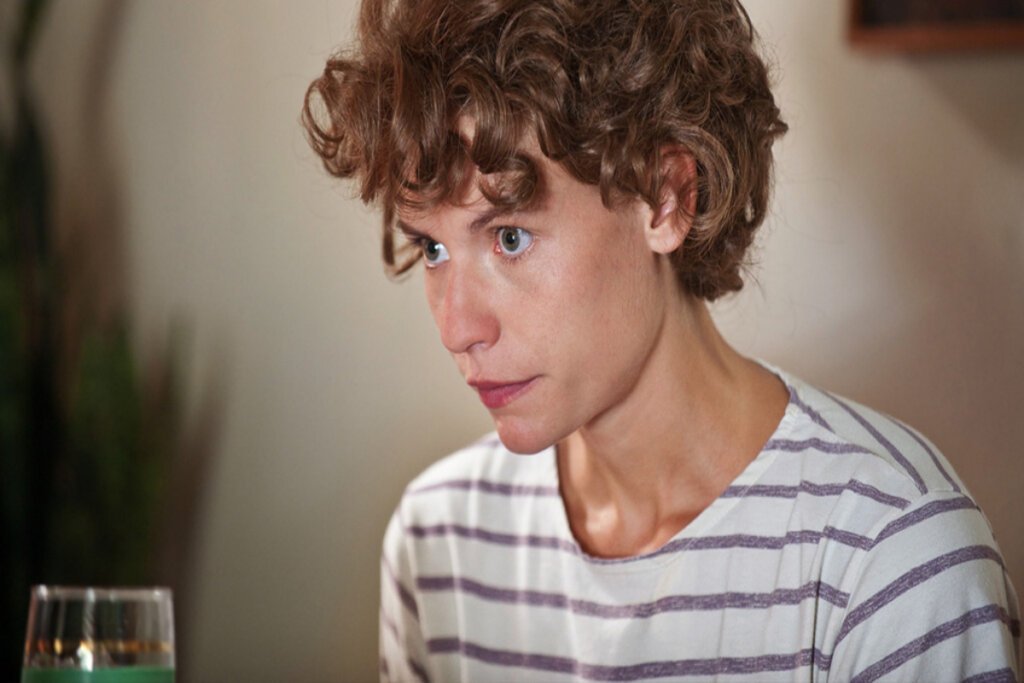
x,y
463,310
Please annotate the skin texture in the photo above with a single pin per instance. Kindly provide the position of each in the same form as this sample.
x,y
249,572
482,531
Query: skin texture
x,y
653,413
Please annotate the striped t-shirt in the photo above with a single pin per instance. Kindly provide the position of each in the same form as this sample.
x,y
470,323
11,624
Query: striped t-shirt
x,y
848,550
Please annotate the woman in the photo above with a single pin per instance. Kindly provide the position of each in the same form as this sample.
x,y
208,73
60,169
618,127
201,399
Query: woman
x,y
579,180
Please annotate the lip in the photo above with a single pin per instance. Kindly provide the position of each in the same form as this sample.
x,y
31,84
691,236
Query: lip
x,y
500,394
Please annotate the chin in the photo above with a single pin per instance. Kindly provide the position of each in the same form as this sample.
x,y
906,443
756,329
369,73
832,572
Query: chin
x,y
521,439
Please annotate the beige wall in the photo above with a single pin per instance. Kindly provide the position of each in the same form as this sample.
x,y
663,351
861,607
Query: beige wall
x,y
890,270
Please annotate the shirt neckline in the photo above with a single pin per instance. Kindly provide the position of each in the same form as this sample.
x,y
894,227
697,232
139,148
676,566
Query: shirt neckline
x,y
708,518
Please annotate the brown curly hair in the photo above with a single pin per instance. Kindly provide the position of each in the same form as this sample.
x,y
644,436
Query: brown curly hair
x,y
604,85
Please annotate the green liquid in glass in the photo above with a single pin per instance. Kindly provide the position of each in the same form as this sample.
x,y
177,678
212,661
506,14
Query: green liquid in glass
x,y
128,674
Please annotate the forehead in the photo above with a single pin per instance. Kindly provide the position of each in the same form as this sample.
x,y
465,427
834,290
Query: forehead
x,y
473,216
552,187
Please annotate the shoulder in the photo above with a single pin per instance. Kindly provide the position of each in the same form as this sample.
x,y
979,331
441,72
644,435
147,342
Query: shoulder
x,y
930,596
926,592
894,451
896,483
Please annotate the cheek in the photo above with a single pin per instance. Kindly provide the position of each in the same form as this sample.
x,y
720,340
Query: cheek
x,y
610,287
434,289
614,322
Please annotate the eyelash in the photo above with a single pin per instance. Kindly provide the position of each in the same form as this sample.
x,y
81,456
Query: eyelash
x,y
417,243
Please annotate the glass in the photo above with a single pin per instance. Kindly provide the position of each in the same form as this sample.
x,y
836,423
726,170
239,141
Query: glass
x,y
99,635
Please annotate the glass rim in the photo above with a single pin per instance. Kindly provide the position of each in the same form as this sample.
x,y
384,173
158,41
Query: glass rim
x,y
100,593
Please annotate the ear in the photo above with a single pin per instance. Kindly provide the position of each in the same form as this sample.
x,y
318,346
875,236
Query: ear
x,y
677,200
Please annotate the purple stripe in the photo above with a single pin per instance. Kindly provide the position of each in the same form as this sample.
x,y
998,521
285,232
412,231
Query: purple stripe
x,y
495,537
885,443
810,488
923,513
848,538
941,633
815,416
489,487
751,541
678,545
997,676
746,541
503,657
389,625
598,672
930,452
413,665
871,492
673,603
418,670
912,578
798,446
403,593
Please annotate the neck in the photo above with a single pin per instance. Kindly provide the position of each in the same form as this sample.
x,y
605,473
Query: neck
x,y
697,415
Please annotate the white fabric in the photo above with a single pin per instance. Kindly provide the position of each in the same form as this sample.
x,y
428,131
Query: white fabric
x,y
848,550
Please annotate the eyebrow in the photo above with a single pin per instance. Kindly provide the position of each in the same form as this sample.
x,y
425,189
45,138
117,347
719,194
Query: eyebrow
x,y
409,231
486,217
474,226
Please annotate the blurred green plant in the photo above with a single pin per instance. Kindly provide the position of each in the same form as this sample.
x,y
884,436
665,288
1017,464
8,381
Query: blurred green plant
x,y
85,446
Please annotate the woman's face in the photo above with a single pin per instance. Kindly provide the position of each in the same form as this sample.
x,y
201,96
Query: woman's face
x,y
550,313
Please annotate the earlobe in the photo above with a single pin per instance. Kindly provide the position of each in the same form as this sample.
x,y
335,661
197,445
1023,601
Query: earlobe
x,y
667,231
671,222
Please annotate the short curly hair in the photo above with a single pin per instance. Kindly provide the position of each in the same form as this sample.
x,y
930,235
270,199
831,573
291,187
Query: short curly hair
x,y
603,85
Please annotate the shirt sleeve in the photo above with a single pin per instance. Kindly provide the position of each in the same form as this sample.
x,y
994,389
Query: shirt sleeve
x,y
403,653
932,602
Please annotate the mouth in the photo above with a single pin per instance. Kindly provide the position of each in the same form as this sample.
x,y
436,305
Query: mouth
x,y
499,394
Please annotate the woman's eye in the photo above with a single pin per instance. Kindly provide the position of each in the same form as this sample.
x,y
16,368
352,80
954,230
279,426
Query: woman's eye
x,y
434,253
513,241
